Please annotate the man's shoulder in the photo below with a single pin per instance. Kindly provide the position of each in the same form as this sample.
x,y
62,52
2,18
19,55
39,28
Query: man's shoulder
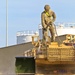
x,y
43,12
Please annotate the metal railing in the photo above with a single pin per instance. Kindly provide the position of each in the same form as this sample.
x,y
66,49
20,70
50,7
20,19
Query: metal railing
x,y
26,32
66,54
35,52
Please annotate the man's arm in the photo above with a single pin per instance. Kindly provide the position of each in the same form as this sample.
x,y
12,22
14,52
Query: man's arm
x,y
54,16
43,21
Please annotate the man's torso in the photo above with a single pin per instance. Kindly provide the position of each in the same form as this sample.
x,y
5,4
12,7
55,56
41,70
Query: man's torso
x,y
47,18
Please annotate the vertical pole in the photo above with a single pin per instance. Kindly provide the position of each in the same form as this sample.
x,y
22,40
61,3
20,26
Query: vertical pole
x,y
6,22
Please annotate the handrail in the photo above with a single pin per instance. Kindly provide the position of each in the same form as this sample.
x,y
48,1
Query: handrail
x,y
35,52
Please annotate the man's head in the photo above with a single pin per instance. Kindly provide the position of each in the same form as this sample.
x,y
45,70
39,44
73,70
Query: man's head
x,y
47,7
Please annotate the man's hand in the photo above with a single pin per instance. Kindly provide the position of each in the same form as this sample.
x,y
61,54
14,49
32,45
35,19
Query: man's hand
x,y
50,23
45,27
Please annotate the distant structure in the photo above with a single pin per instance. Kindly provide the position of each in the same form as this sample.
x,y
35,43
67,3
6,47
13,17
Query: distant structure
x,y
61,29
25,36
65,28
40,31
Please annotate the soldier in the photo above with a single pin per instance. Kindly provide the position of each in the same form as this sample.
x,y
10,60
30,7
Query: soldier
x,y
47,19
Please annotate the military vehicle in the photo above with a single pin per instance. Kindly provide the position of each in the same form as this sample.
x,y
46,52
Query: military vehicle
x,y
52,59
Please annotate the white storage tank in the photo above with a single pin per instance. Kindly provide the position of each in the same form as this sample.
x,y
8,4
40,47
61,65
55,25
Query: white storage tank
x,y
25,36
40,32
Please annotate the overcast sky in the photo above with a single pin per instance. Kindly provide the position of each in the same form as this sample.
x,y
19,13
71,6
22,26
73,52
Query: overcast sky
x,y
25,15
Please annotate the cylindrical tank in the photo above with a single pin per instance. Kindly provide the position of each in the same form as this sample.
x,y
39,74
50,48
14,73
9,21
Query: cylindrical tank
x,y
24,39
40,31
25,36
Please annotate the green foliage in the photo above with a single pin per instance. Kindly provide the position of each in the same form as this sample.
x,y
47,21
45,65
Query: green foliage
x,y
25,65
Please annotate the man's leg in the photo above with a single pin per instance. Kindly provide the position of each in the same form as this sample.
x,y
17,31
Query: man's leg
x,y
52,31
45,35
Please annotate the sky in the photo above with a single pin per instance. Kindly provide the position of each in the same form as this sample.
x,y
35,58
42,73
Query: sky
x,y
26,15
